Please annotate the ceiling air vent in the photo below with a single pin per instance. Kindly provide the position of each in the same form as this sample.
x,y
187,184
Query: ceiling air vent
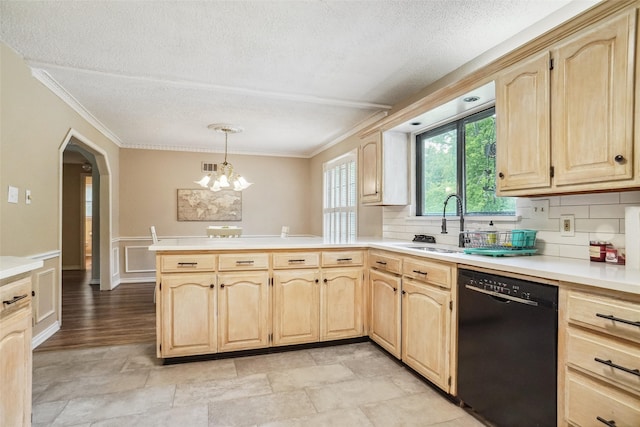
x,y
209,167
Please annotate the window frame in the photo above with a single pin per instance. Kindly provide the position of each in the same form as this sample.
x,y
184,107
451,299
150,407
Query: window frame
x,y
351,232
458,124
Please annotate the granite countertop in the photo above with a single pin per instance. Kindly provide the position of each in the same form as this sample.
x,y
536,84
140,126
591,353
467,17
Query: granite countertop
x,y
584,272
12,266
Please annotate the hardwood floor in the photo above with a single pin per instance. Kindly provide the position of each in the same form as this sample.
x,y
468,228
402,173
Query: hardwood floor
x,y
93,318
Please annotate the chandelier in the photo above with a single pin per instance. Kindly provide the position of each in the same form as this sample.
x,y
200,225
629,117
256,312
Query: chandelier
x,y
224,176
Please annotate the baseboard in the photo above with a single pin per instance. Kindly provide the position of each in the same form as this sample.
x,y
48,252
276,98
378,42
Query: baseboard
x,y
45,335
148,279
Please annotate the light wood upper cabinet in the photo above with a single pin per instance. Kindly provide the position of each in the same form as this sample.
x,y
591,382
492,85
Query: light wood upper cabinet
x,y
384,172
243,310
566,116
188,314
426,331
592,104
385,291
296,306
523,148
341,303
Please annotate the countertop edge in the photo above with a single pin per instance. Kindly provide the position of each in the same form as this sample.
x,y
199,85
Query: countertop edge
x,y
582,272
12,266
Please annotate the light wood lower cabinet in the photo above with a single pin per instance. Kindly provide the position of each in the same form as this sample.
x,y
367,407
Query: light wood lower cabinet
x,y
296,306
599,358
15,369
385,291
426,331
188,314
243,310
341,303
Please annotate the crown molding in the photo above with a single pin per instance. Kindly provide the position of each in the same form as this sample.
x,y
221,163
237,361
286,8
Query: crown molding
x,y
369,121
212,151
50,83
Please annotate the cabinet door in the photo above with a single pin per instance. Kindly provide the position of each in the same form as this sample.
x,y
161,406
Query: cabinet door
x,y
592,103
295,307
15,369
426,329
385,310
523,126
243,310
341,303
188,314
371,169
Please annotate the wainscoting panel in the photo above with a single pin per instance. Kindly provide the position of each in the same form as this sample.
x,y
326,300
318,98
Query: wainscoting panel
x,y
139,259
44,287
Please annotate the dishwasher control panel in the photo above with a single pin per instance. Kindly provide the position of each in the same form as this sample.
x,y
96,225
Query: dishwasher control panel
x,y
508,286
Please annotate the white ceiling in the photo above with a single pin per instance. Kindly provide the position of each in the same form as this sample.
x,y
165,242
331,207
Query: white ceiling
x,y
296,75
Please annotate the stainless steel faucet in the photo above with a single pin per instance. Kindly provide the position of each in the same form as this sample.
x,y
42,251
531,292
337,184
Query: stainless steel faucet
x,y
444,219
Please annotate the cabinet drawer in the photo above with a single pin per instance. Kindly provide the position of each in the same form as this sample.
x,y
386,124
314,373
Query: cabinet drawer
x,y
604,314
248,261
587,401
606,358
296,260
15,295
195,262
428,271
385,262
342,258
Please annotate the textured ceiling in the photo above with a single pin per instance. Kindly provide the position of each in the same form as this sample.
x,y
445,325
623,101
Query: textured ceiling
x,y
296,75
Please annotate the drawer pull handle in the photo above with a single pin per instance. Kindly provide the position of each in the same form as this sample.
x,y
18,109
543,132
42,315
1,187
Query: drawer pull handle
x,y
245,262
610,423
291,261
344,259
421,272
622,368
617,319
15,299
187,264
381,262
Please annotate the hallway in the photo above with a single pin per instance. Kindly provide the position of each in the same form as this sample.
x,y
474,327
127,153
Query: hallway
x,y
93,318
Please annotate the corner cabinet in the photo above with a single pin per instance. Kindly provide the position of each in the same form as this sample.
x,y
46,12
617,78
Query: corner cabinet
x,y
566,120
384,172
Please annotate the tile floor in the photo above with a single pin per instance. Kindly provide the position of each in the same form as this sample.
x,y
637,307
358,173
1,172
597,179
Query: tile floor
x,y
347,385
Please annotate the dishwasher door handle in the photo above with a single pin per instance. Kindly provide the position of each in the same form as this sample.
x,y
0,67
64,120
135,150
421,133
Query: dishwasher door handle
x,y
503,296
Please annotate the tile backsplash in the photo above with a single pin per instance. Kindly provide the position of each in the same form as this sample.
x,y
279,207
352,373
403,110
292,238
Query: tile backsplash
x,y
596,217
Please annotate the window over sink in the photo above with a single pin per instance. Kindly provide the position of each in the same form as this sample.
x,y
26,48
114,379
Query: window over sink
x,y
460,157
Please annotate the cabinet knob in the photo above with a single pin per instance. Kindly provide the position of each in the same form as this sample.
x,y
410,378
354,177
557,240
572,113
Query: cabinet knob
x,y
501,175
317,280
212,286
325,280
619,159
222,285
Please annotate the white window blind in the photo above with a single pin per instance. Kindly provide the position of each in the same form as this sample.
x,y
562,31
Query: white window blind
x,y
339,211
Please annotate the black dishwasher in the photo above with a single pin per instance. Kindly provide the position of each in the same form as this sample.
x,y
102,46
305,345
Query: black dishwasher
x,y
507,349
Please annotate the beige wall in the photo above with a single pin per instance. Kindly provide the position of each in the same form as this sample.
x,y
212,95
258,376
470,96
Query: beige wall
x,y
33,126
72,217
369,217
150,179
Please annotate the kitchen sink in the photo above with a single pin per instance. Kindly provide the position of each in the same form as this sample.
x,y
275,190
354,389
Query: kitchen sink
x,y
431,249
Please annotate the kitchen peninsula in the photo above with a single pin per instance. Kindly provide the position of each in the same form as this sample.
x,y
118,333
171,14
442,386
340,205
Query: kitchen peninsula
x,y
222,295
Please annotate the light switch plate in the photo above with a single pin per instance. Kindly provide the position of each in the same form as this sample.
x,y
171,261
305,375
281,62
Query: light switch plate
x,y
540,209
27,197
13,195
567,225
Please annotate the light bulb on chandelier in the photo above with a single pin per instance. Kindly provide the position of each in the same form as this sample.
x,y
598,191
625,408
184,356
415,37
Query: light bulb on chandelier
x,y
225,176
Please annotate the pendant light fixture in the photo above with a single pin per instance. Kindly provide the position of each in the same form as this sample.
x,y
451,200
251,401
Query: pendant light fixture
x,y
224,177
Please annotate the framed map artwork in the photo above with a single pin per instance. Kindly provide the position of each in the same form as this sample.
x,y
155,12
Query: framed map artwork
x,y
207,205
